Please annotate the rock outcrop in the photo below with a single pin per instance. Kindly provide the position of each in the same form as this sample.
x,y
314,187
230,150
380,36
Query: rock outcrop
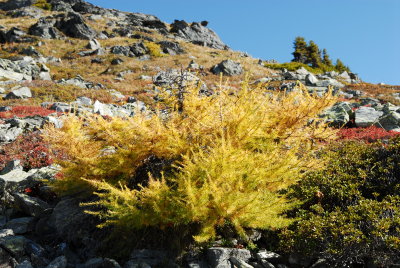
x,y
197,34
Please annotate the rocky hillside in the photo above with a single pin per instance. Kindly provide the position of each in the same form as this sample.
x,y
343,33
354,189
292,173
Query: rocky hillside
x,y
64,56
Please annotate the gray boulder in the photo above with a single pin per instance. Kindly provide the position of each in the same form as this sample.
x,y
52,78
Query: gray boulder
x,y
311,80
150,257
19,93
6,260
329,82
370,101
8,133
139,49
338,115
73,225
355,93
228,67
30,11
11,75
30,51
29,123
300,74
193,65
102,109
345,77
6,232
101,263
24,264
14,245
10,166
390,122
84,101
60,5
59,262
267,255
239,263
366,116
388,108
24,68
15,4
173,79
197,34
145,21
78,81
319,91
17,180
15,35
93,44
45,29
219,257
30,205
21,225
122,50
302,71
73,25
171,48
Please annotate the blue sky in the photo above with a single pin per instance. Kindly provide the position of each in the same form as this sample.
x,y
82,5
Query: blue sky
x,y
364,34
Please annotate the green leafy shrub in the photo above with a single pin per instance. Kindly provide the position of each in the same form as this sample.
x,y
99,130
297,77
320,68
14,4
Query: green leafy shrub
x,y
351,209
211,160
43,4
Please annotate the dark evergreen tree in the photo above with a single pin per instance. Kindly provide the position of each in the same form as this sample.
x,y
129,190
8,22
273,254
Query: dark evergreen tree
x,y
340,67
326,59
313,55
300,50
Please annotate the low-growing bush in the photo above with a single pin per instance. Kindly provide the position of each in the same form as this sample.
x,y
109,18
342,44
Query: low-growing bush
x,y
43,4
369,134
350,210
30,149
211,161
24,111
154,49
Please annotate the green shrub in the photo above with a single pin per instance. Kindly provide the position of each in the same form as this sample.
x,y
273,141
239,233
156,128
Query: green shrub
x,y
312,56
293,66
351,209
212,161
43,4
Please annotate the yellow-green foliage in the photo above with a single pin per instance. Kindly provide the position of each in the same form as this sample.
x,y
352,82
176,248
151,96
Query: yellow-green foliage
x,y
231,153
154,49
42,4
293,66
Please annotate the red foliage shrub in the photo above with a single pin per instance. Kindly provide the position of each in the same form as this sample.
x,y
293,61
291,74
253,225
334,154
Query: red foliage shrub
x,y
369,134
24,111
30,149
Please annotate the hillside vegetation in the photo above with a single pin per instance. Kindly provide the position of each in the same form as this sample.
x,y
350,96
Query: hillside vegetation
x,y
128,140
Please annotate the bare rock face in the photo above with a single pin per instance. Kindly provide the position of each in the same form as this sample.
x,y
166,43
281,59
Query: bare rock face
x,y
71,24
45,29
197,34
15,4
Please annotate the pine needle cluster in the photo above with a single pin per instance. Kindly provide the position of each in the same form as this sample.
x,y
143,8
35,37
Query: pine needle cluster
x,y
225,156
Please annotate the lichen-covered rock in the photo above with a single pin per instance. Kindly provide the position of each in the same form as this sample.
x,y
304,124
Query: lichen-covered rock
x,y
19,93
228,67
219,257
366,116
